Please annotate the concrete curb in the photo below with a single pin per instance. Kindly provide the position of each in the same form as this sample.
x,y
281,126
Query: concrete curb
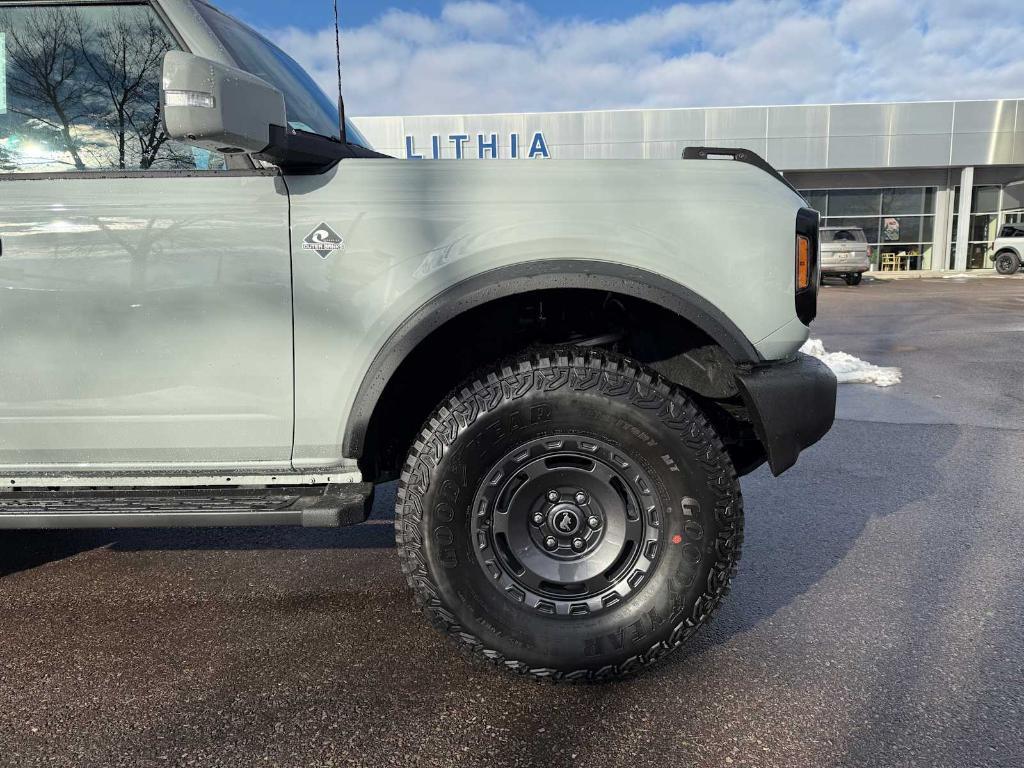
x,y
934,273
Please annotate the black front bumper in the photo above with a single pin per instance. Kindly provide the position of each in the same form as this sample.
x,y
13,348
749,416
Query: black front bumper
x,y
792,405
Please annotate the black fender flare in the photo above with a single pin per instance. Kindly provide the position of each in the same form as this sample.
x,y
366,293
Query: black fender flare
x,y
532,276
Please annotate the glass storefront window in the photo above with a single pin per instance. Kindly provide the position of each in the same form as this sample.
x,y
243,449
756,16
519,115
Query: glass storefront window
x,y
817,199
991,207
985,200
978,256
903,257
897,221
906,200
854,202
1013,203
928,229
901,229
1013,196
983,227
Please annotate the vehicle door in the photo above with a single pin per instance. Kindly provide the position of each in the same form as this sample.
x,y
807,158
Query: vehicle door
x,y
145,301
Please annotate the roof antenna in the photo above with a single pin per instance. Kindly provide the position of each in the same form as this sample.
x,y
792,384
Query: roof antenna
x,y
342,132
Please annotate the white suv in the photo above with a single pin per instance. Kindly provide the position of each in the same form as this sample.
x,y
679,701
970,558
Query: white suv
x,y
844,253
1009,249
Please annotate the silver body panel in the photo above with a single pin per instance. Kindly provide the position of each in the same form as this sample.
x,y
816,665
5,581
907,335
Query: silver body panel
x,y
146,322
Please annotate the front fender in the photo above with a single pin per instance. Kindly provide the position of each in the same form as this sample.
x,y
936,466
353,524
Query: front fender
x,y
416,232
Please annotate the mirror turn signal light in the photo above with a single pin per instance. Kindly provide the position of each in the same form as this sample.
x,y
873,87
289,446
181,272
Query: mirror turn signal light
x,y
803,262
189,99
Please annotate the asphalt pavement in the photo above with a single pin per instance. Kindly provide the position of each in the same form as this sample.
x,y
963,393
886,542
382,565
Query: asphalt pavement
x,y
875,619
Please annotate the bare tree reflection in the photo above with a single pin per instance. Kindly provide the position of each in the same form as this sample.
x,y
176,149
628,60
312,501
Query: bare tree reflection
x,y
87,81
125,55
44,77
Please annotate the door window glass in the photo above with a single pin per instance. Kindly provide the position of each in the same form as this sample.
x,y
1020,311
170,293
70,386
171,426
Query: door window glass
x,y
80,90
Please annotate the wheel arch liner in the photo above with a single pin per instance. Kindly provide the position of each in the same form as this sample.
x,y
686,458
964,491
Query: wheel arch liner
x,y
522,278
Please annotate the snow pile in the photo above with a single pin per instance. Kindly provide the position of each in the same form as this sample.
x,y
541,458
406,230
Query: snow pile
x,y
852,370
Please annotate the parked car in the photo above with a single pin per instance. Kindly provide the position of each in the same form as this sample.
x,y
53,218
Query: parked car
x,y
223,309
1009,249
845,253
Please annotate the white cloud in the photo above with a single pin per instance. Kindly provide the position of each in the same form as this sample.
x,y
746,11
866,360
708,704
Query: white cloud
x,y
486,19
484,56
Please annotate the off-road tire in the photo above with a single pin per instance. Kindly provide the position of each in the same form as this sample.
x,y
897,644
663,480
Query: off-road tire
x,y
1007,263
547,401
853,278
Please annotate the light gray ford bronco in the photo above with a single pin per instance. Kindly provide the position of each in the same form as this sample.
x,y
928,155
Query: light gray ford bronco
x,y
219,308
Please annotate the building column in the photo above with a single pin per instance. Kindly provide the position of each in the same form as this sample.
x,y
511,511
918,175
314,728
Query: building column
x,y
943,230
964,222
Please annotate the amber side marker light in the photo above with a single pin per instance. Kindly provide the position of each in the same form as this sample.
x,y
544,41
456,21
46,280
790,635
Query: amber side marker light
x,y
803,262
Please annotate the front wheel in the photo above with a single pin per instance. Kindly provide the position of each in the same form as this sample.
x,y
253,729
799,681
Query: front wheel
x,y
570,516
853,278
1007,263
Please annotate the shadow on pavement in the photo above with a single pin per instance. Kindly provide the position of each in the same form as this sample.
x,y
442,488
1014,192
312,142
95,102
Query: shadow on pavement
x,y
23,550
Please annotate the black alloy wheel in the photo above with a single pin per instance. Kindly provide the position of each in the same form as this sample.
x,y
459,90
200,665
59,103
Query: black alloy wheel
x,y
566,525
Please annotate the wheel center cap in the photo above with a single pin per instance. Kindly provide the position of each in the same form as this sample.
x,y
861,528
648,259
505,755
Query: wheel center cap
x,y
565,520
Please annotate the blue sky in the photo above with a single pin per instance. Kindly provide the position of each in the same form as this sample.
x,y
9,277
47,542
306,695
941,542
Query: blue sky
x,y
466,56
313,14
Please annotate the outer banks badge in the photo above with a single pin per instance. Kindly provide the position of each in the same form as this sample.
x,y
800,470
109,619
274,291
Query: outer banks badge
x,y
324,241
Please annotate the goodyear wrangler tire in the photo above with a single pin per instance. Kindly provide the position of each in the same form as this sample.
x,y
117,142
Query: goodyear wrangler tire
x,y
570,515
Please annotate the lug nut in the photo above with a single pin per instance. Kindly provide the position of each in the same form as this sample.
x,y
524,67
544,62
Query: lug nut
x,y
578,544
538,518
553,496
550,542
581,497
594,522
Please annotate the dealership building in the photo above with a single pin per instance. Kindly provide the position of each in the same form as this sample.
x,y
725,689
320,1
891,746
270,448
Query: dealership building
x,y
929,182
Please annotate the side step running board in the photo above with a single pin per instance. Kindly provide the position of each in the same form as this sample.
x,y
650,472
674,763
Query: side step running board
x,y
328,505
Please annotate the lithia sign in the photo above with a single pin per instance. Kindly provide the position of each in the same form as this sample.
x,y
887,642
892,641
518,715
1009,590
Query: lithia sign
x,y
485,146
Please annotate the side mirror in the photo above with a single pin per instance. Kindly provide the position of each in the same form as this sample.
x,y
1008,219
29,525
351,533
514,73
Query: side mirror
x,y
218,107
